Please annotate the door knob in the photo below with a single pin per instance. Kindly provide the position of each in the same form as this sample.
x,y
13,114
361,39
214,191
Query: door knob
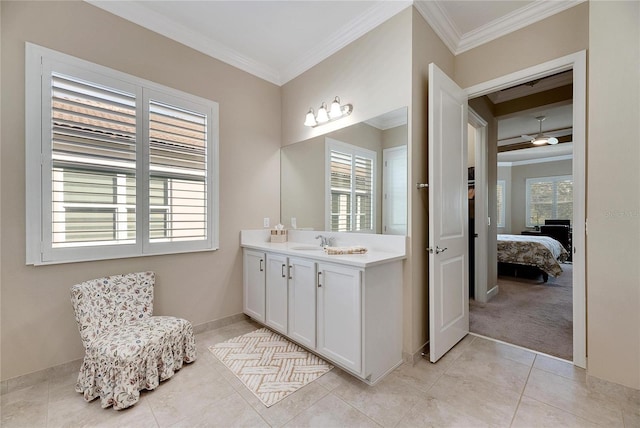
x,y
440,250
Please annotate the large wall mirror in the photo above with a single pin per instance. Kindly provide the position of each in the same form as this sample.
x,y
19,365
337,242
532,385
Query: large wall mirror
x,y
350,180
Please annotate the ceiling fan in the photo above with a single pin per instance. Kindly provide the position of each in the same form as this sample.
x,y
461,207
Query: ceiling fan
x,y
540,139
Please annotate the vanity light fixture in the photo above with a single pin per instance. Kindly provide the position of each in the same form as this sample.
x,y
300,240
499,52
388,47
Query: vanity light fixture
x,y
336,111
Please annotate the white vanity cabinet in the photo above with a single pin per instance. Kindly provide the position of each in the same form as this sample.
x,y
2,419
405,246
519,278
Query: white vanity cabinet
x,y
253,284
345,308
277,293
339,320
302,302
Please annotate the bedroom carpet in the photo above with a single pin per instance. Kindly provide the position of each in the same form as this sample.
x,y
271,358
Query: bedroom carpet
x,y
269,365
529,313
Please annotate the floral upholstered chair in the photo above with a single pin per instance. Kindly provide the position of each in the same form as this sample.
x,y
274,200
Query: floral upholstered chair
x,y
127,349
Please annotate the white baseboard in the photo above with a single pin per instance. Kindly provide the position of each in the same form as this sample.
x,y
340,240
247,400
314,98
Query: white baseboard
x,y
492,293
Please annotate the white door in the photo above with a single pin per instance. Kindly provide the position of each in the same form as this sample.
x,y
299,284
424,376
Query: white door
x,y
448,215
277,293
394,191
302,302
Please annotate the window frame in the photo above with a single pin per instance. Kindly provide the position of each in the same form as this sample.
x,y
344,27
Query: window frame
x,y
553,179
40,62
352,150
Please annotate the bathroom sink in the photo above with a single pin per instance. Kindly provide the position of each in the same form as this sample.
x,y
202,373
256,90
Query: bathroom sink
x,y
306,248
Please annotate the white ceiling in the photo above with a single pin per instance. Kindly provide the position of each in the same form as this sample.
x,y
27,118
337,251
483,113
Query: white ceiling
x,y
279,40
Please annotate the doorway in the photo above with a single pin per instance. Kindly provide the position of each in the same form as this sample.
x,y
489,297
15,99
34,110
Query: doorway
x,y
576,63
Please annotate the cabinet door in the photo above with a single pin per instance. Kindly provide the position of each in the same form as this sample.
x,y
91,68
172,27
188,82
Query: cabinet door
x,y
302,302
340,315
253,281
277,295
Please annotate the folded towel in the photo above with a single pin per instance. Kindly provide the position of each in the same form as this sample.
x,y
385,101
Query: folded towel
x,y
357,249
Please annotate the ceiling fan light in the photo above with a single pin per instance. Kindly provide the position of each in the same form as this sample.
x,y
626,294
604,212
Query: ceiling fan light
x,y
553,140
540,141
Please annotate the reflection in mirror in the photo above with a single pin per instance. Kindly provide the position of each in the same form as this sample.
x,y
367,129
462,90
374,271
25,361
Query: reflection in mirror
x,y
350,180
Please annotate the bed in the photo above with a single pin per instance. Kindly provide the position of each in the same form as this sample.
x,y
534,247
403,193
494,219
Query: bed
x,y
542,252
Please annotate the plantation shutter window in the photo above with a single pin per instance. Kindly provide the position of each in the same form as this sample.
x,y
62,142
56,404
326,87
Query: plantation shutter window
x,y
177,174
93,154
126,167
351,187
549,198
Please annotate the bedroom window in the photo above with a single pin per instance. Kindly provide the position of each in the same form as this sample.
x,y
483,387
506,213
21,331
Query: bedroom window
x,y
549,198
501,198
350,188
126,167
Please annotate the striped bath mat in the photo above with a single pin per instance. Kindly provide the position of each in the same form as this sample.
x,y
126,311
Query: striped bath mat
x,y
269,365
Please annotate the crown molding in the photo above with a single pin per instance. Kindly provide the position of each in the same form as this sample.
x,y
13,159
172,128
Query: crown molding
x,y
145,17
527,15
437,17
350,32
439,20
151,20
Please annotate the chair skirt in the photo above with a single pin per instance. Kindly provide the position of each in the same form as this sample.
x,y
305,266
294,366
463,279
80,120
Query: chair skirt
x,y
136,356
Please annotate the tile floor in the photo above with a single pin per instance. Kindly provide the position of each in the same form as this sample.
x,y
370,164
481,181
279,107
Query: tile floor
x,y
478,383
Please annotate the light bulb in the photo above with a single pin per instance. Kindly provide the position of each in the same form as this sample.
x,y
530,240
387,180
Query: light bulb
x,y
322,114
310,119
336,110
539,141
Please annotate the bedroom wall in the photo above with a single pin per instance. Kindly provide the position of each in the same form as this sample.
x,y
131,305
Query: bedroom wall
x,y
38,329
504,173
518,194
483,107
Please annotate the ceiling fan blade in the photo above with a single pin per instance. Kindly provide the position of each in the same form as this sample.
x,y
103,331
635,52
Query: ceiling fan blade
x,y
527,137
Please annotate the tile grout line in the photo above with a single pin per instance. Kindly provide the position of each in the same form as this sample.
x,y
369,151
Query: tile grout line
x,y
356,409
513,418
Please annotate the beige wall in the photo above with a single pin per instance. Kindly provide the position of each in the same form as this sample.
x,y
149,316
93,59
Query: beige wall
x,y
519,175
559,35
394,137
38,329
613,195
484,108
427,48
504,173
372,73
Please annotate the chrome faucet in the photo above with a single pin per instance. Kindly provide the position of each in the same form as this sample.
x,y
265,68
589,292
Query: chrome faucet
x,y
325,241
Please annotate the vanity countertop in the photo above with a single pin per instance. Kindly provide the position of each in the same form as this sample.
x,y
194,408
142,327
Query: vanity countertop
x,y
305,247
